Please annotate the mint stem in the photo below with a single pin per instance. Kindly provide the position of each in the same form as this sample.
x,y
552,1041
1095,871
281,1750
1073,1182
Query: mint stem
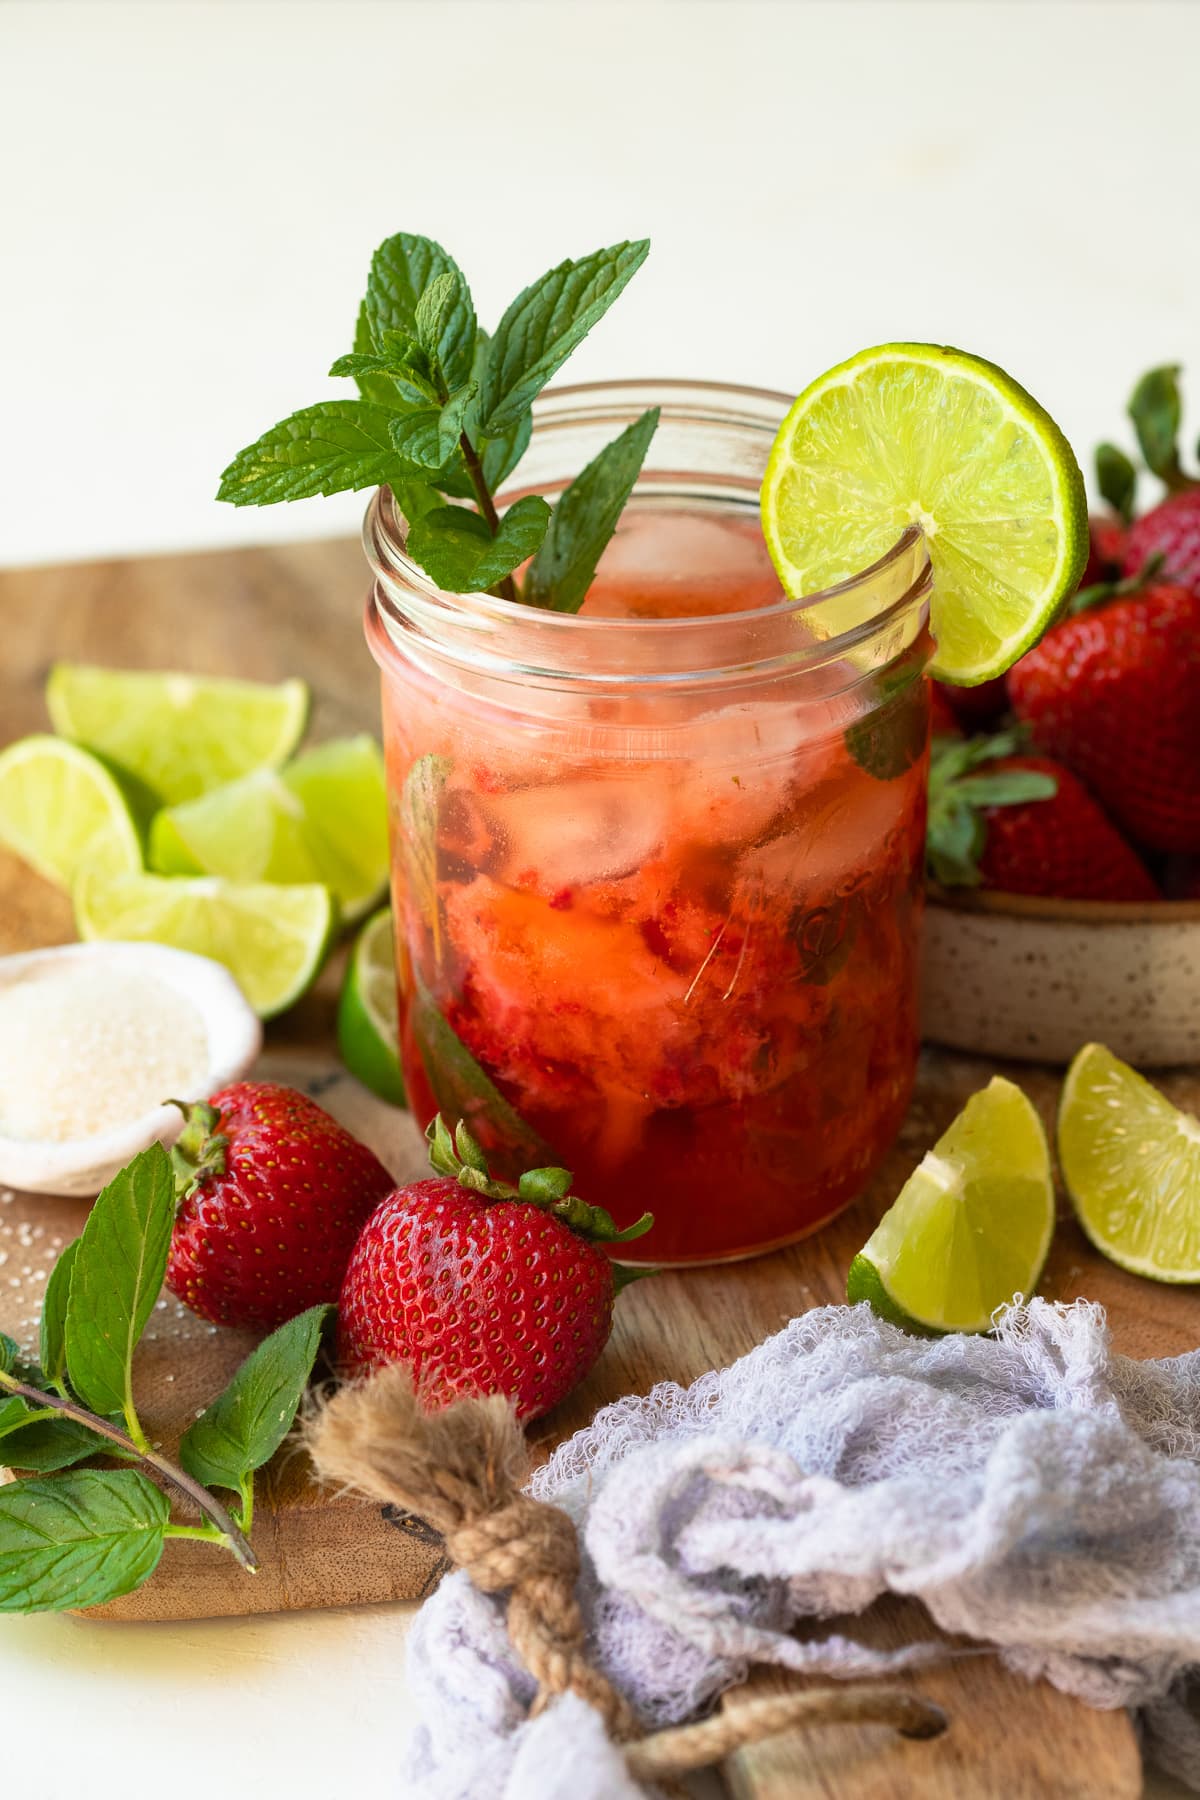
x,y
200,1497
507,588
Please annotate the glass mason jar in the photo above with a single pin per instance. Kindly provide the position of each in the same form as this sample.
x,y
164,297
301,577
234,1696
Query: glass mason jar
x,y
657,867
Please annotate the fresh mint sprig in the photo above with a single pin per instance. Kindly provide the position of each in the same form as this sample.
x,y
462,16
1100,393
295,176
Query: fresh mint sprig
x,y
91,1535
444,414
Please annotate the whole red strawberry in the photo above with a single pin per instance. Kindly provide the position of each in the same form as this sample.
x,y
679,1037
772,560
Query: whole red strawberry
x,y
1024,825
1171,531
1113,691
273,1195
480,1287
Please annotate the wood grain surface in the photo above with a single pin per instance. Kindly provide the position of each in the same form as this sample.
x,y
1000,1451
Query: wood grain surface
x,y
296,611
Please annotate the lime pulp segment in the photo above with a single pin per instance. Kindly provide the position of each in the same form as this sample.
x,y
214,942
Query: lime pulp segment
x,y
1131,1163
180,734
970,1229
368,1026
272,939
62,810
321,818
921,434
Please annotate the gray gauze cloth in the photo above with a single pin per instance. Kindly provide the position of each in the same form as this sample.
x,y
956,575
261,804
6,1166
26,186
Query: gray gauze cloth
x,y
1034,1490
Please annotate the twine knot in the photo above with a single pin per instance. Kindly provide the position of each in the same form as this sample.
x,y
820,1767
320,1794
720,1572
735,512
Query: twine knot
x,y
462,1470
519,1542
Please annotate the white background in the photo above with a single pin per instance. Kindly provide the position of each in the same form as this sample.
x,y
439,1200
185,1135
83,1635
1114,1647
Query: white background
x,y
191,193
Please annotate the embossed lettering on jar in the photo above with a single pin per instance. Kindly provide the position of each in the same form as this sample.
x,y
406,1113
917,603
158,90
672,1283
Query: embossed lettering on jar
x,y
658,866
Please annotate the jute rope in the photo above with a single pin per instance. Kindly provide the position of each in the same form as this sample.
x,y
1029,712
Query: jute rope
x,y
462,1470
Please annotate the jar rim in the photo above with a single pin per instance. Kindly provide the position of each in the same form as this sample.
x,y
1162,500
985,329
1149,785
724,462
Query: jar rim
x,y
482,614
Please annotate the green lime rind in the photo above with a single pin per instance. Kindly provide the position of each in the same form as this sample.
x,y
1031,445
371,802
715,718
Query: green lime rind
x,y
272,939
925,434
321,818
971,1228
863,1282
367,1020
1131,1165
63,808
182,735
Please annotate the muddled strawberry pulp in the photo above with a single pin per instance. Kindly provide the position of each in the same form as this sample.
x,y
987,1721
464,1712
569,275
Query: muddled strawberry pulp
x,y
670,944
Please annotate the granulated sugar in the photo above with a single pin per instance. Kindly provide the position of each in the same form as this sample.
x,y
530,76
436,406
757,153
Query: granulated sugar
x,y
83,1049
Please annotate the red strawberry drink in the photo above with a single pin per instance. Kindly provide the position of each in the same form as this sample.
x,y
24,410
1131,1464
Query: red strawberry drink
x,y
657,866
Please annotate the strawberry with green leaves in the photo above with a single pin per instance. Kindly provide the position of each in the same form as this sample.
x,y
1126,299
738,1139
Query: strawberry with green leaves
x,y
1168,533
481,1287
273,1193
1023,824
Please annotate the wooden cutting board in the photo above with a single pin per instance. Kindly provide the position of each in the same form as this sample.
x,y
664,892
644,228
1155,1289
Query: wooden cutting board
x,y
273,613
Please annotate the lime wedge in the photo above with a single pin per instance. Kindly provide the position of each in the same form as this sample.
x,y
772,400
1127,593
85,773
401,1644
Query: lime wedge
x,y
271,939
918,434
971,1226
368,1023
322,818
1131,1162
181,734
62,809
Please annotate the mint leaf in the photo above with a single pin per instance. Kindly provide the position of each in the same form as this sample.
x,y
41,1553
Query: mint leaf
x,y
53,1351
78,1540
428,437
414,499
119,1265
888,740
584,519
9,1355
456,549
401,270
13,1414
370,369
498,455
49,1444
465,1092
545,323
444,325
242,1429
323,449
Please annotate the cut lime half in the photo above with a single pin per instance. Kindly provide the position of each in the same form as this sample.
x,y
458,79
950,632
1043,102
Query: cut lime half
x,y
180,734
272,940
368,1025
971,1227
920,434
321,818
62,809
1131,1162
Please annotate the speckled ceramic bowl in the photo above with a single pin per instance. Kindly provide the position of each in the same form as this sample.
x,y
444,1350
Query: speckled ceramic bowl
x,y
1004,975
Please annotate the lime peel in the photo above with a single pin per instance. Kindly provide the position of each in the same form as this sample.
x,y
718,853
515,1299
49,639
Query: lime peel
x,y
923,433
180,734
971,1228
63,809
273,940
368,1014
1131,1164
